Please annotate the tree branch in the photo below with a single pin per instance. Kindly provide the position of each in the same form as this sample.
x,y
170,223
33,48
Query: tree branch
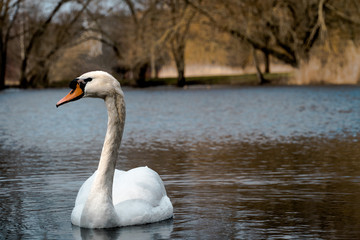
x,y
7,34
288,57
320,26
132,10
342,15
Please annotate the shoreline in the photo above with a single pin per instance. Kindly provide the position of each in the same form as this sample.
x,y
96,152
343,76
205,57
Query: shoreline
x,y
273,79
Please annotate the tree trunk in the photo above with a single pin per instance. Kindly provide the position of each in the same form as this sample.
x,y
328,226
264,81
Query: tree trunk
x,y
179,57
140,74
45,78
152,63
258,70
23,78
180,66
266,61
3,57
2,70
179,38
181,78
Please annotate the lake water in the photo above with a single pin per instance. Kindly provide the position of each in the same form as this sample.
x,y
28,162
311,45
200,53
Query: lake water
x,y
238,163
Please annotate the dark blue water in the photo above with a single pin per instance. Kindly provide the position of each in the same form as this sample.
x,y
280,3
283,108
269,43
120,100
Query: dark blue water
x,y
243,163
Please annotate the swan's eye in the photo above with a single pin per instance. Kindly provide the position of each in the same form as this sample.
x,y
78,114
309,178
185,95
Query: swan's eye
x,y
83,82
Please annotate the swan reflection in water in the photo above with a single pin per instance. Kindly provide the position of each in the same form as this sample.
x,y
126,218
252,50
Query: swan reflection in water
x,y
160,230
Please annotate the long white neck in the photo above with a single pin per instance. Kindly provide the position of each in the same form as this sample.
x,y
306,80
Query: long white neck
x,y
99,209
116,119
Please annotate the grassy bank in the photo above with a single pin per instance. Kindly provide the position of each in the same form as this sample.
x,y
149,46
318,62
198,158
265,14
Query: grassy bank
x,y
243,79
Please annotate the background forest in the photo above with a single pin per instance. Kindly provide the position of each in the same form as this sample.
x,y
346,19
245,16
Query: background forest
x,y
46,42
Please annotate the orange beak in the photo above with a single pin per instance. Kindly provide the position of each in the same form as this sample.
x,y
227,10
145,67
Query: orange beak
x,y
73,95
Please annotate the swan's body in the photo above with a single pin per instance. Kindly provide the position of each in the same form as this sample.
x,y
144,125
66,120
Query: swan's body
x,y
139,197
110,197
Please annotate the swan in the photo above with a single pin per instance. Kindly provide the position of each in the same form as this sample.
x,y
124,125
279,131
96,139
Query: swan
x,y
111,197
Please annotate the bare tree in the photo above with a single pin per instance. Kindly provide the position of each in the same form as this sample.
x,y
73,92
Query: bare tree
x,y
181,17
127,32
8,13
35,36
286,30
139,49
45,39
145,34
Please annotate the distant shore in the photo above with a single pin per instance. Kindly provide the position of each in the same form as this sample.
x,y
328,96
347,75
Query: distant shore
x,y
243,79
225,80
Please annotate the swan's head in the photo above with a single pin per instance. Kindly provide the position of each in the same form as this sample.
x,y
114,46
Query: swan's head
x,y
92,84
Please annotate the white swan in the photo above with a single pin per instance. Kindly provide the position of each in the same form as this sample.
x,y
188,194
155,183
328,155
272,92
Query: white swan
x,y
110,197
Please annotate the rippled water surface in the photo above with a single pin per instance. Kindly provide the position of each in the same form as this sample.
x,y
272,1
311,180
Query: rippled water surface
x,y
242,163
